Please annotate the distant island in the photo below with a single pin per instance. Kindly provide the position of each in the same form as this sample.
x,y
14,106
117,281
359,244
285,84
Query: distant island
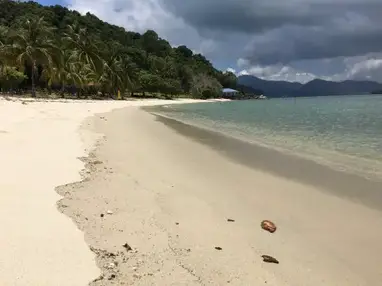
x,y
56,50
316,87
377,92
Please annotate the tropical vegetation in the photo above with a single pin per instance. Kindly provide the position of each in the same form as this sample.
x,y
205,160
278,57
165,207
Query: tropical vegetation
x,y
52,49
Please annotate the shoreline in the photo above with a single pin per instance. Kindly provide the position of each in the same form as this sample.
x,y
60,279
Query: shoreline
x,y
340,166
282,164
171,207
148,187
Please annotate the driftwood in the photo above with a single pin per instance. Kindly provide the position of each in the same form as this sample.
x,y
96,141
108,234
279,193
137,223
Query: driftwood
x,y
269,259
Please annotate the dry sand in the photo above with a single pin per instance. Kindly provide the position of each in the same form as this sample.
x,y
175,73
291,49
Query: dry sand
x,y
39,150
168,198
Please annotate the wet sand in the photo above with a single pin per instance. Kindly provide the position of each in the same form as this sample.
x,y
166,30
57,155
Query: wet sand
x,y
167,190
345,185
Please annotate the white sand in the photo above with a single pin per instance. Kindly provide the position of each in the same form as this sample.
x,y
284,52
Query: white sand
x,y
39,147
153,178
156,178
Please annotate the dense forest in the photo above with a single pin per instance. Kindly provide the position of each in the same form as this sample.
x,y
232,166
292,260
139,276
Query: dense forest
x,y
46,50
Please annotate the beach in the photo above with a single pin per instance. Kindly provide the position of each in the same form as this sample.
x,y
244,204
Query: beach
x,y
40,144
161,203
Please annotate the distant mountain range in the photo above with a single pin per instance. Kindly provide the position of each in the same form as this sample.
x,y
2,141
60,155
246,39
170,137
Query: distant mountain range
x,y
316,87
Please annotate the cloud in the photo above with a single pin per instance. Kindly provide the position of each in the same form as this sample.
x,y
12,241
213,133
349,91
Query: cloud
x,y
285,31
245,16
142,15
278,72
307,37
132,14
367,67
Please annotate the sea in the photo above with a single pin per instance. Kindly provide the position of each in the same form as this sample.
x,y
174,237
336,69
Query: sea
x,y
340,132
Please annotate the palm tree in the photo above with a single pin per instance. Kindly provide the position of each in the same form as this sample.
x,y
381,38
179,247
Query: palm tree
x,y
76,39
3,35
130,73
66,71
3,41
111,78
33,45
122,69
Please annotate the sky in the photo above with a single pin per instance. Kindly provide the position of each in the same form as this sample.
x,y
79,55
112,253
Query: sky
x,y
294,40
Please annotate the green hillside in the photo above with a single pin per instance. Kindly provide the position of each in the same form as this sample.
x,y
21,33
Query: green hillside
x,y
53,49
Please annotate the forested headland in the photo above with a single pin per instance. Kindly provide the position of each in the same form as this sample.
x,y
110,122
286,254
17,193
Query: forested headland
x,y
53,50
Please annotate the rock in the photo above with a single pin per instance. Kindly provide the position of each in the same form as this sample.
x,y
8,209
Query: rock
x,y
110,254
136,276
177,223
109,212
230,220
112,276
127,247
99,278
268,226
269,259
134,268
102,215
111,265
218,248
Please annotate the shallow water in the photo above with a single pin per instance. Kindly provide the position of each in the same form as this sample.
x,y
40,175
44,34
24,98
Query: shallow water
x,y
344,133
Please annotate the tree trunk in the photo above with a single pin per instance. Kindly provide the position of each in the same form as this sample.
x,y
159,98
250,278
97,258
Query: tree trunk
x,y
33,83
62,91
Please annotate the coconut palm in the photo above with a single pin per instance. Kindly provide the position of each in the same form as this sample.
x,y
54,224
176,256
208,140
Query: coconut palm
x,y
86,51
33,45
121,70
111,78
66,71
130,73
3,41
3,35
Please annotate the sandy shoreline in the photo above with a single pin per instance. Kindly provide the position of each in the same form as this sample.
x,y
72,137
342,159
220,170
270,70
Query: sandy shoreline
x,y
172,207
169,199
39,145
282,164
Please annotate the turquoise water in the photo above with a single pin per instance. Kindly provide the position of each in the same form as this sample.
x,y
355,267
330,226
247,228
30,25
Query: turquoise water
x,y
344,132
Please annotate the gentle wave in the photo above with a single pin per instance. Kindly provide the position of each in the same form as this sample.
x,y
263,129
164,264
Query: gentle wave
x,y
344,133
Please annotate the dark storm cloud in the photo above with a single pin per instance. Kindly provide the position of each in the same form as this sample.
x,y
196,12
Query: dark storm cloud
x,y
303,43
286,31
234,16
